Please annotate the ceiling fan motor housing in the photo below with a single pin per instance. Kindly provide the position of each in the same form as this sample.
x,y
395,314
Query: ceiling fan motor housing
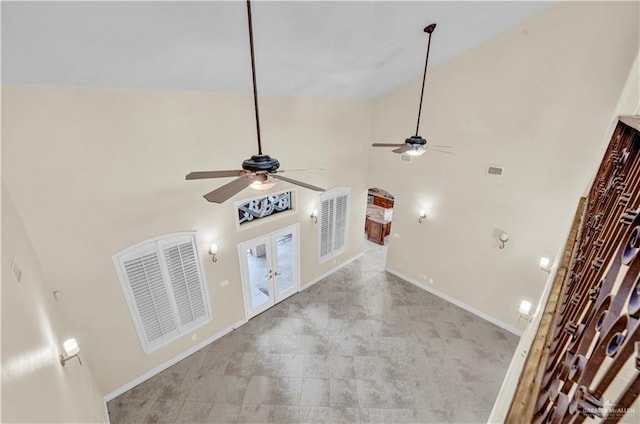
x,y
259,163
416,140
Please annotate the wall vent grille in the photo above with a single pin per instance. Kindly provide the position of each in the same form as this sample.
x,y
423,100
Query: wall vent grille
x,y
495,170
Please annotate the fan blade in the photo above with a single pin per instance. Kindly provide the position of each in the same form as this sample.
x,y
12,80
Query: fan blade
x,y
440,146
297,170
404,148
387,144
296,182
441,151
221,194
214,174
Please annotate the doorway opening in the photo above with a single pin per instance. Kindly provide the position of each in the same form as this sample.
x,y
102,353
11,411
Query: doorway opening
x,y
379,215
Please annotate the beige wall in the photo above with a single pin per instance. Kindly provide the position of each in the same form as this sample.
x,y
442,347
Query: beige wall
x,y
35,386
536,100
95,171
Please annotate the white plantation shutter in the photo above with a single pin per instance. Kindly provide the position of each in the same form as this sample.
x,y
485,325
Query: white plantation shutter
x,y
333,223
164,287
185,282
326,227
151,298
340,238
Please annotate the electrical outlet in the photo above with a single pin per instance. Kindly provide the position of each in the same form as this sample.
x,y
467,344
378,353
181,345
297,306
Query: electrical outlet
x,y
396,235
194,337
224,283
334,261
430,280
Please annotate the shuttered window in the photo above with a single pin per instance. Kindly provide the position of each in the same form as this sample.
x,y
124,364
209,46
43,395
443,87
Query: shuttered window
x,y
164,286
340,238
326,227
333,223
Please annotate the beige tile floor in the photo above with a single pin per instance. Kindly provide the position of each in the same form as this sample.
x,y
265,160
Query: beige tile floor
x,y
360,346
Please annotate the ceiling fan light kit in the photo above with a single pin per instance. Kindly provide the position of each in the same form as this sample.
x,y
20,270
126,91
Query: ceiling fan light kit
x,y
416,145
258,172
266,184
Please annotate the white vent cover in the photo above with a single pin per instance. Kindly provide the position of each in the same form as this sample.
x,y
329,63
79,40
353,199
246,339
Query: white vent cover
x,y
15,270
495,170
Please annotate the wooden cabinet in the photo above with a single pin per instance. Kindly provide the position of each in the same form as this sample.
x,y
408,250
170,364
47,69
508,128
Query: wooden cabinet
x,y
383,202
377,230
378,222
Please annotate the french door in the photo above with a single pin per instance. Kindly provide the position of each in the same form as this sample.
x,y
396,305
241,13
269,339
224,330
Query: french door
x,y
269,267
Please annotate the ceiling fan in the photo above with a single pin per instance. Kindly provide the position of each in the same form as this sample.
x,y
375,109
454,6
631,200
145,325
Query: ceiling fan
x,y
416,145
260,171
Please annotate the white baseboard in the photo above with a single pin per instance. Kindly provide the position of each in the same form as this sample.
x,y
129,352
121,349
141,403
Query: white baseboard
x,y
147,375
331,271
106,412
456,302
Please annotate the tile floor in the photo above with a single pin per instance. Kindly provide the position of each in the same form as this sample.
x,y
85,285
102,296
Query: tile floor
x,y
360,346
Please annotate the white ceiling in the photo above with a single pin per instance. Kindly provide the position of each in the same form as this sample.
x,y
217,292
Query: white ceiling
x,y
303,48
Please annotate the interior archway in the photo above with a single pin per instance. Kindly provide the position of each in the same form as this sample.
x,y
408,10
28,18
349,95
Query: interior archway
x,y
379,217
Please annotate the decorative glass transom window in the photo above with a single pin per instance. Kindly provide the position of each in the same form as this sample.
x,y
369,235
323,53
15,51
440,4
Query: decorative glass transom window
x,y
263,207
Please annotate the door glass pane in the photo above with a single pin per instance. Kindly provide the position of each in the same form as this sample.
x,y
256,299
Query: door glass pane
x,y
258,274
284,253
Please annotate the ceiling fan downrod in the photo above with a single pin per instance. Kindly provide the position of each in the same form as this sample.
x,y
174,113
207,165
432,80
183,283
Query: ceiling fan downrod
x,y
253,74
259,162
428,29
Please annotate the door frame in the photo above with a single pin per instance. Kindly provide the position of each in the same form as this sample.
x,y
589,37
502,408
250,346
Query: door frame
x,y
271,255
245,279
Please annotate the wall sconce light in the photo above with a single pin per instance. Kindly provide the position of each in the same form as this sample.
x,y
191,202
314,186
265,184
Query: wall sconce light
x,y
545,264
525,309
72,350
314,216
213,250
423,216
504,237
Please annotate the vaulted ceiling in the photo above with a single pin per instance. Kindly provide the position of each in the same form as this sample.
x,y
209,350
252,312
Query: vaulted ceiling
x,y
303,48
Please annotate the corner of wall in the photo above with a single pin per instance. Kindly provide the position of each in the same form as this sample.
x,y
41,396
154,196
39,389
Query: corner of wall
x,y
31,369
